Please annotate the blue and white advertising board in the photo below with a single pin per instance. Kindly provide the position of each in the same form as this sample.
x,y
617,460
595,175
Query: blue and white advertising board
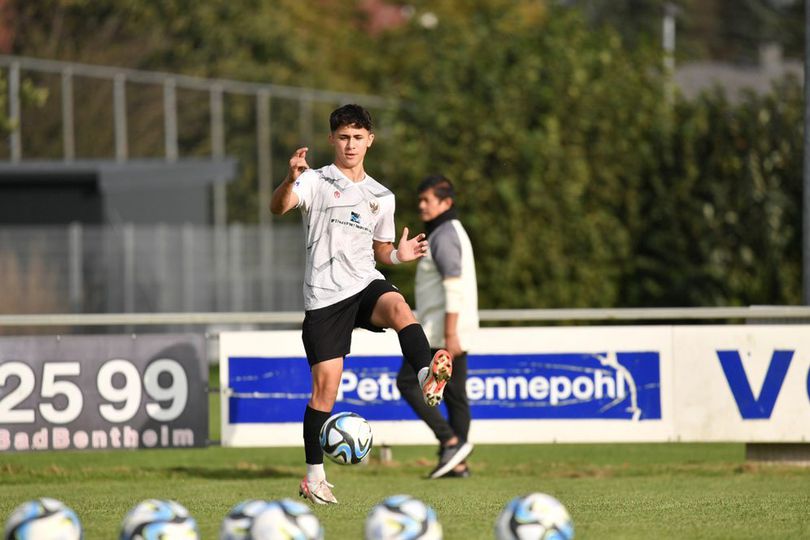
x,y
524,385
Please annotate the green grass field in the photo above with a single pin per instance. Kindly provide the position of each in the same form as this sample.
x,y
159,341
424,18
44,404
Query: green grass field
x,y
612,491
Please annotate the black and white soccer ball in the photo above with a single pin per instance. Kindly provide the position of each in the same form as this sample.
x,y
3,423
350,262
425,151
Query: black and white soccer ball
x,y
155,518
402,517
270,520
346,438
536,516
238,523
286,519
43,519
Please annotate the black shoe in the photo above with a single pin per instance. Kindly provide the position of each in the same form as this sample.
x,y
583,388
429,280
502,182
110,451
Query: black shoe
x,y
464,473
449,457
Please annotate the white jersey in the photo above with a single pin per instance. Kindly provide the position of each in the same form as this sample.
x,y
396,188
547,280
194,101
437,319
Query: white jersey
x,y
341,218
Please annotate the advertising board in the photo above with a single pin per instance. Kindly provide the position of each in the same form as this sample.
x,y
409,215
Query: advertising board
x,y
524,385
103,392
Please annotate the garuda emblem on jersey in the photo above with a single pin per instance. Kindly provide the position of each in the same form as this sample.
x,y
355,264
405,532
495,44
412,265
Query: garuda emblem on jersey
x,y
375,207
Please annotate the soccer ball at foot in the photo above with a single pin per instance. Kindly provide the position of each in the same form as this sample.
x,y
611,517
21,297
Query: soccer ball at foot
x,y
346,438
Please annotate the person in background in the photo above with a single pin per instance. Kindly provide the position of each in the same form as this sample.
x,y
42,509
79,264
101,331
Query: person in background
x,y
447,306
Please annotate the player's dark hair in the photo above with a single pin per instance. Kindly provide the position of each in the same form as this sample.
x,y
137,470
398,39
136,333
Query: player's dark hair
x,y
442,187
350,115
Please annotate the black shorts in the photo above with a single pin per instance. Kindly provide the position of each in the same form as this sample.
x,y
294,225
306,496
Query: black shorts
x,y
327,332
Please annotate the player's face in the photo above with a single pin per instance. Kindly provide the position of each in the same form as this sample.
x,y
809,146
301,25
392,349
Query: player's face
x,y
430,206
351,144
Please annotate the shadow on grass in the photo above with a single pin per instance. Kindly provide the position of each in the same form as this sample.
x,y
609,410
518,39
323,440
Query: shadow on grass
x,y
235,473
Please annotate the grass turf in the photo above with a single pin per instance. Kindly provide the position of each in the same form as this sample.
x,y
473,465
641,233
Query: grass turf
x,y
612,491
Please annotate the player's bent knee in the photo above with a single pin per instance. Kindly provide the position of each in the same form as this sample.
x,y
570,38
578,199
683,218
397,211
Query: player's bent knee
x,y
401,314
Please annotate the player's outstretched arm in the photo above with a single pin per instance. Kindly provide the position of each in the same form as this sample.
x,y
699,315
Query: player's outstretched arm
x,y
408,249
284,198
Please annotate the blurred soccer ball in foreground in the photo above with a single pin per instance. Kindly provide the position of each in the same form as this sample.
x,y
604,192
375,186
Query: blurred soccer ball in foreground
x,y
534,517
285,519
346,438
43,519
271,520
401,517
238,523
154,518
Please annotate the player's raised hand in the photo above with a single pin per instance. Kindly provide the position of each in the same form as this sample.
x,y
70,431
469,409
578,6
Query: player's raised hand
x,y
298,164
413,248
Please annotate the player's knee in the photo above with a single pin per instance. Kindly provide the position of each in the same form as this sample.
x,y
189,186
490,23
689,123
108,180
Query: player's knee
x,y
324,396
401,314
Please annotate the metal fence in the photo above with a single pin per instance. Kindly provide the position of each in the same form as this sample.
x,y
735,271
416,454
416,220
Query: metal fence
x,y
151,269
117,113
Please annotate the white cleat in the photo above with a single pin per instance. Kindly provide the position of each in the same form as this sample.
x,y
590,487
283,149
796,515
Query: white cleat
x,y
317,492
433,378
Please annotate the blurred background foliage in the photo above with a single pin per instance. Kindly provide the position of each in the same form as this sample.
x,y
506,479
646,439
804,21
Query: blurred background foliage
x,y
583,181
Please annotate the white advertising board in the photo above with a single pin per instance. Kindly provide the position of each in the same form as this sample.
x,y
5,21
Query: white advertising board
x,y
742,383
524,385
586,384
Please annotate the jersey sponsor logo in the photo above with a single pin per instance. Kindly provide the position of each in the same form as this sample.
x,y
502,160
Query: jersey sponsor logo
x,y
610,385
353,223
355,217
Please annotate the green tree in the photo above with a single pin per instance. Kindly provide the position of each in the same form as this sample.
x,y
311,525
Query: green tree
x,y
581,183
543,123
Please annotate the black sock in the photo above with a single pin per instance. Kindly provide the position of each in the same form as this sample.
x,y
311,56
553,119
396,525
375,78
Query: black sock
x,y
415,346
313,421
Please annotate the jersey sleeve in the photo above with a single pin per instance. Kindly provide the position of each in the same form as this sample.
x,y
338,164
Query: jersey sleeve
x,y
445,248
385,231
305,187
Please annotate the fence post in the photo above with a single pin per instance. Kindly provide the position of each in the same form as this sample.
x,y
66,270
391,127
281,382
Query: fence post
x,y
236,277
162,264
218,153
188,267
68,129
170,119
120,117
15,138
305,125
128,231
265,152
75,267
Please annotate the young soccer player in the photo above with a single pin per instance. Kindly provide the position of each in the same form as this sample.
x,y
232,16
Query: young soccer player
x,y
349,226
